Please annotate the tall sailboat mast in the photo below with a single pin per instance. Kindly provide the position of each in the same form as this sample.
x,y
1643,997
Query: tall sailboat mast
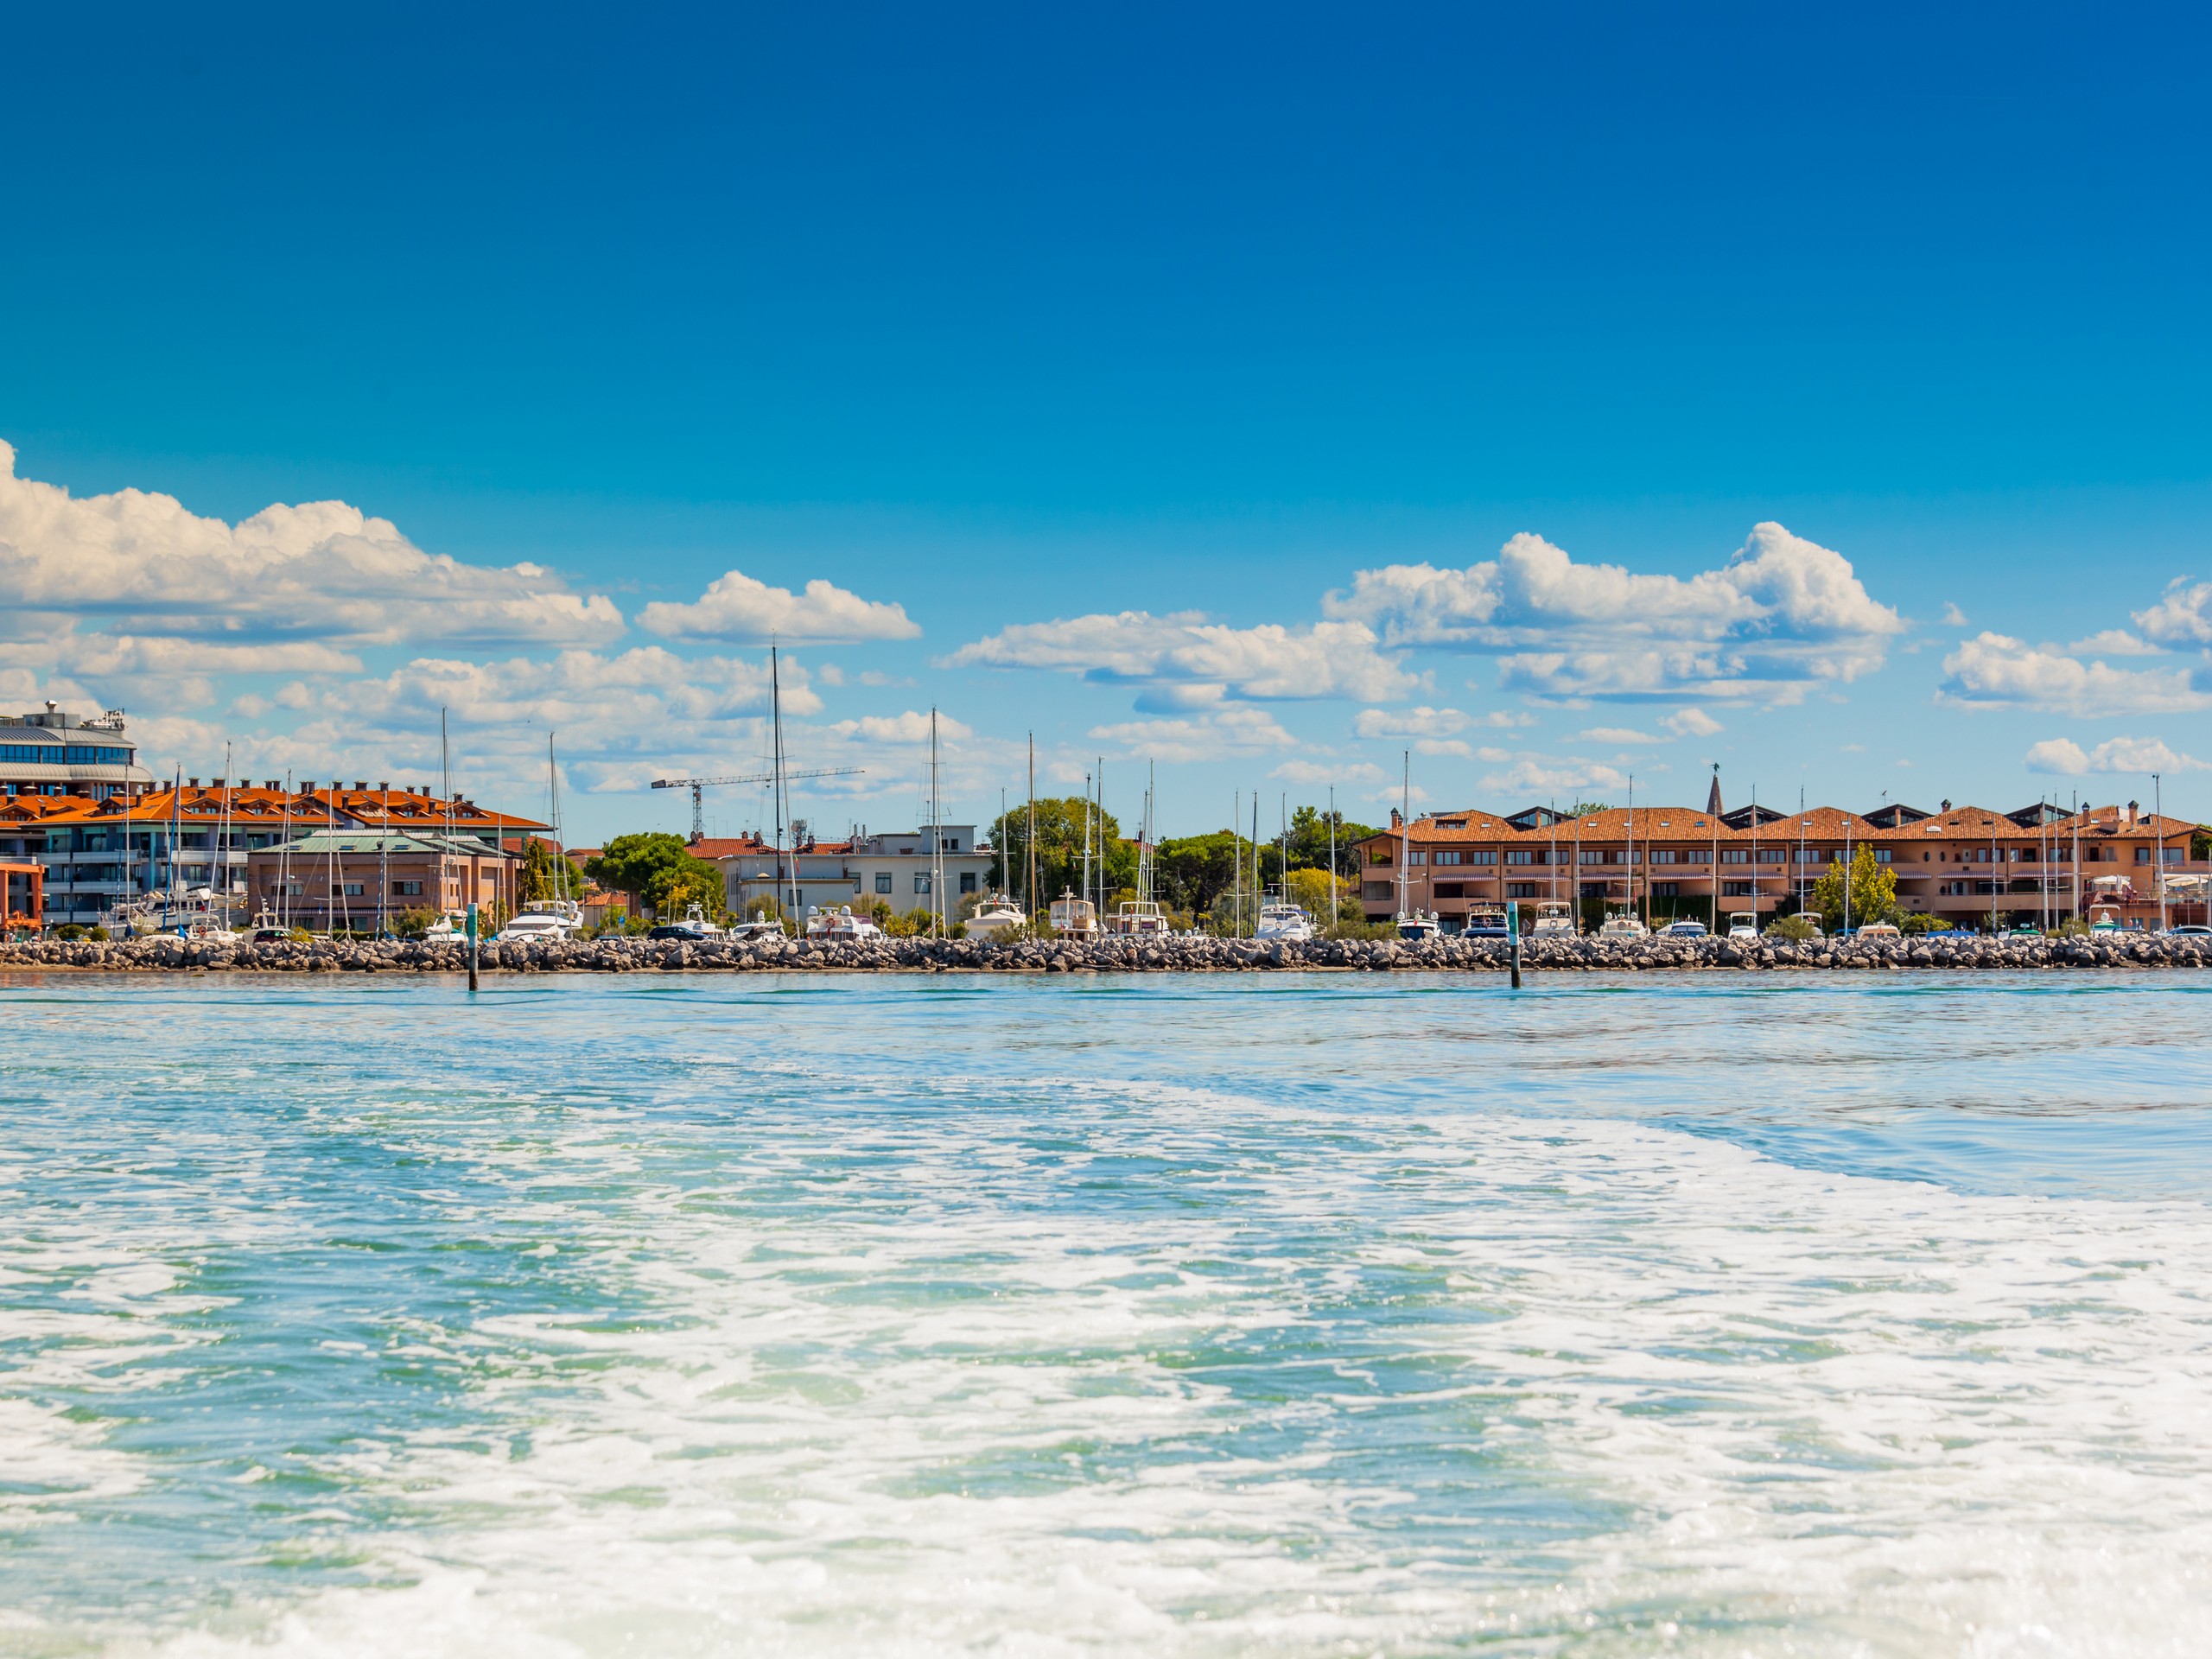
x,y
937,841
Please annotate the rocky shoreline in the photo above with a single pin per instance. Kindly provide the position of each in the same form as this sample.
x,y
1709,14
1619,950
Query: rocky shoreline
x,y
1108,956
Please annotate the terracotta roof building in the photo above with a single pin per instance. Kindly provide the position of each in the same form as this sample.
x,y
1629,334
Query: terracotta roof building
x,y
97,851
1963,864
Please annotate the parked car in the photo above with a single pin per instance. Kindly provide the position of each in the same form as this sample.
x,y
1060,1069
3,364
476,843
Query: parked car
x,y
1685,929
2195,930
676,930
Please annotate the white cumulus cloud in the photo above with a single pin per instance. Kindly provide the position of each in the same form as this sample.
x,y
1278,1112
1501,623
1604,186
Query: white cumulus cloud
x,y
323,569
1992,672
1209,660
2182,615
737,609
1691,722
1783,613
1422,722
2114,642
912,727
1533,776
2134,755
1231,731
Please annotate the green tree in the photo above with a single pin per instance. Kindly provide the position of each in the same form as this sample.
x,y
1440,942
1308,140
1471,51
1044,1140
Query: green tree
x,y
1309,839
543,874
1060,847
1193,871
627,863
1873,892
1585,809
657,869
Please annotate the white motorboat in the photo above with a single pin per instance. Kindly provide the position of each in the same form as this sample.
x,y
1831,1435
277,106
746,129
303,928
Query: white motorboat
x,y
1624,925
757,928
1281,919
542,919
1419,927
823,923
996,914
1743,924
1133,916
1555,920
696,919
1076,918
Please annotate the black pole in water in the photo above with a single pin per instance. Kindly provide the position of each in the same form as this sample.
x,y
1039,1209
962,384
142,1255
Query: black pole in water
x,y
1513,926
472,948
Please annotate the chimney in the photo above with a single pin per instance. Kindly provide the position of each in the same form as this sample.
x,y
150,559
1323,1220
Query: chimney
x,y
1396,823
384,786
271,783
2131,811
361,782
192,783
1947,806
307,785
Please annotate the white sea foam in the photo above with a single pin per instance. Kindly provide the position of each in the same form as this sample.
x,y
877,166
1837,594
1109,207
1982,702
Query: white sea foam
x,y
1797,1413
756,1355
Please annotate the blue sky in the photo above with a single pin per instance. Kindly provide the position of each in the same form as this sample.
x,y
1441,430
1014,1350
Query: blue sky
x,y
1003,324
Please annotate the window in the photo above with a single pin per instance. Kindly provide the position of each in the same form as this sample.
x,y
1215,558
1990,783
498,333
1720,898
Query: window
x,y
2142,854
1666,856
1592,856
1451,890
921,881
1378,854
883,882
1736,889
966,880
1447,856
408,889
352,889
1417,855
1522,889
1735,855
1666,889
1482,855
1523,855
1881,854
1374,890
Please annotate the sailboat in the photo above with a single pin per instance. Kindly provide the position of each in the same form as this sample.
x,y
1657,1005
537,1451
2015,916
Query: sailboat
x,y
1142,914
559,917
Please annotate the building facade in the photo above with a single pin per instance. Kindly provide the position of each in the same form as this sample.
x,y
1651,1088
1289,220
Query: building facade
x,y
55,752
897,869
100,852
1965,866
363,879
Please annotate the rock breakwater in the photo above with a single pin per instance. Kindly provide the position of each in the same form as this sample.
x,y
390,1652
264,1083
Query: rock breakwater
x,y
1110,956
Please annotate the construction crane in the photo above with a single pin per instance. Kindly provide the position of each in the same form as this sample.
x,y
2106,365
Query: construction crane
x,y
695,785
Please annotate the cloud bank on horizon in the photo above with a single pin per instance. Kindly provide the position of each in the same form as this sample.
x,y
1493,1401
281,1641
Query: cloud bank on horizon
x,y
319,636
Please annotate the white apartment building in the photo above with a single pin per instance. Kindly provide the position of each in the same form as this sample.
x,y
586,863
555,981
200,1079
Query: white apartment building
x,y
894,866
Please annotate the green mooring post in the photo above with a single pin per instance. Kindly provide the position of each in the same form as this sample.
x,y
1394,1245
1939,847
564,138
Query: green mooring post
x,y
472,948
1513,926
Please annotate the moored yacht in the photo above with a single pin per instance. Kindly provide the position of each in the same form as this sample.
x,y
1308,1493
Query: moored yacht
x,y
1076,918
996,914
1138,916
825,922
1281,919
1419,926
1555,919
1624,925
542,919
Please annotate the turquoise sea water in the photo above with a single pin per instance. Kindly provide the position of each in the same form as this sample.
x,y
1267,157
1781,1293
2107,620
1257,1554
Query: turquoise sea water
x,y
1309,1314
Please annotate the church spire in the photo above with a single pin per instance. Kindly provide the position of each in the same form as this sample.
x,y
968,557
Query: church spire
x,y
1713,800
